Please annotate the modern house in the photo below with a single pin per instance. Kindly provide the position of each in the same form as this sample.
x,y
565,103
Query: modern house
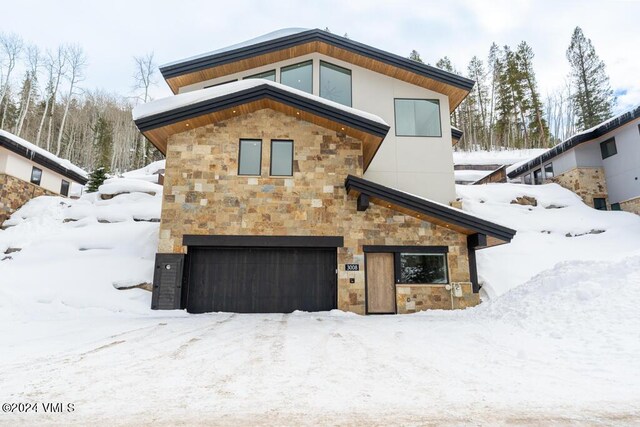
x,y
601,164
307,171
28,171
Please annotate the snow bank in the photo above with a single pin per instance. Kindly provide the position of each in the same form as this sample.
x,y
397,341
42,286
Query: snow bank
x,y
560,228
32,147
185,99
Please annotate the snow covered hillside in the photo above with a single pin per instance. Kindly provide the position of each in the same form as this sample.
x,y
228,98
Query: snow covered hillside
x,y
555,341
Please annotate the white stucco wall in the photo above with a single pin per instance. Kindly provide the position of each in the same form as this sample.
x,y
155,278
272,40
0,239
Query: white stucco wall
x,y
419,165
622,170
20,167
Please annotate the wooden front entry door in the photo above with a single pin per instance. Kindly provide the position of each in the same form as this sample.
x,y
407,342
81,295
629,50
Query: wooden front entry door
x,y
381,289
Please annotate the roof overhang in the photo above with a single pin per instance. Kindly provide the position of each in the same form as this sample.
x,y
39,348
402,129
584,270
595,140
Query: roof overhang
x,y
157,128
489,233
456,135
41,160
207,67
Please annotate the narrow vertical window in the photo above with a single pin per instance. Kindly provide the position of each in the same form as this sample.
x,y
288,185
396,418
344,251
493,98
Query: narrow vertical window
x,y
64,188
250,157
335,83
537,176
36,175
281,158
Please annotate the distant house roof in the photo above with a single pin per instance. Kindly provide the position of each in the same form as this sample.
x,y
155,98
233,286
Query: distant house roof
x,y
456,135
290,43
162,118
42,157
577,139
437,213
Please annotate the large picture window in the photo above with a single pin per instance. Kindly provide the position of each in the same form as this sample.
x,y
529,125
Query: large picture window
x,y
36,175
298,76
268,75
250,157
281,158
423,268
417,117
335,83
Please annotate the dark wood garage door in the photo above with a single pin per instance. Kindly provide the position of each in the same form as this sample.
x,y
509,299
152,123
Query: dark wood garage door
x,y
261,280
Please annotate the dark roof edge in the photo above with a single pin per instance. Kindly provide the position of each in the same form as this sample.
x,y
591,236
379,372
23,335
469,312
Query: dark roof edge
x,y
256,93
41,160
576,140
456,133
429,208
196,64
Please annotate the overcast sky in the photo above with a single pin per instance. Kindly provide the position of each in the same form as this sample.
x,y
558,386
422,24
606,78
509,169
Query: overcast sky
x,y
112,32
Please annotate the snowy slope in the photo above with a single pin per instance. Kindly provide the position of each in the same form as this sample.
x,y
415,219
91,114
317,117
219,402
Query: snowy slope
x,y
556,343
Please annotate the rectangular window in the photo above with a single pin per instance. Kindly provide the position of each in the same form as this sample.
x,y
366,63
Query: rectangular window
x,y
250,157
417,117
36,175
423,268
269,75
281,158
298,76
527,179
608,148
548,171
600,203
335,83
220,84
64,188
537,176
615,207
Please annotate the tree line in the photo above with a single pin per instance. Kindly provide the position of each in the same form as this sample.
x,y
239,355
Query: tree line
x,y
43,100
505,109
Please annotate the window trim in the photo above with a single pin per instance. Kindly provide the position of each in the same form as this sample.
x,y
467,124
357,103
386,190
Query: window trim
x,y
62,186
602,145
254,76
287,67
395,116
240,156
271,156
220,84
33,169
350,81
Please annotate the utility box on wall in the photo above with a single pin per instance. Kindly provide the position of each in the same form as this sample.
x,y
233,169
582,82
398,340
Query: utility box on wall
x,y
167,282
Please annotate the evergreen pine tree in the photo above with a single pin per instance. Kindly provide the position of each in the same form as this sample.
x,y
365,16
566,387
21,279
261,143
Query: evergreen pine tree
x,y
592,91
415,56
103,143
537,125
96,179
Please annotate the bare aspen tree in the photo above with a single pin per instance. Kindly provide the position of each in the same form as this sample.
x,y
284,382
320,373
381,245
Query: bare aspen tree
x,y
145,69
77,62
33,62
11,45
59,67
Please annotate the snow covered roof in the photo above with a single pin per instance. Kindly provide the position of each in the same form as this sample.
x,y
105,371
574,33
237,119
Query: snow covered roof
x,y
42,157
294,42
162,118
577,139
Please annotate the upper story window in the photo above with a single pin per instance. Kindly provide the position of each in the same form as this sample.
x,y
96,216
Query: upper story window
x,y
269,75
281,158
64,188
548,171
417,117
298,76
36,175
335,83
608,148
250,157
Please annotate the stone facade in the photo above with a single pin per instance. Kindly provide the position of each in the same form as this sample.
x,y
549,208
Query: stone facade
x,y
203,194
632,205
588,183
14,193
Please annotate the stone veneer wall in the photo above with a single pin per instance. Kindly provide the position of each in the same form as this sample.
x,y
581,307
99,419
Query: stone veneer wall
x,y
588,183
204,195
632,205
14,193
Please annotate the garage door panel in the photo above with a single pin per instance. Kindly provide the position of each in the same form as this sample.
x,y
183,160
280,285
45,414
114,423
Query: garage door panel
x,y
250,280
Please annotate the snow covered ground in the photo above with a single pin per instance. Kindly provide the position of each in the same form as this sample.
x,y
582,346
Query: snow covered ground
x,y
556,340
483,157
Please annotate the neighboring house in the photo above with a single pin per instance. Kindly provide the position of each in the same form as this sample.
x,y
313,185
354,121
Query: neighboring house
x,y
601,164
308,186
28,171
